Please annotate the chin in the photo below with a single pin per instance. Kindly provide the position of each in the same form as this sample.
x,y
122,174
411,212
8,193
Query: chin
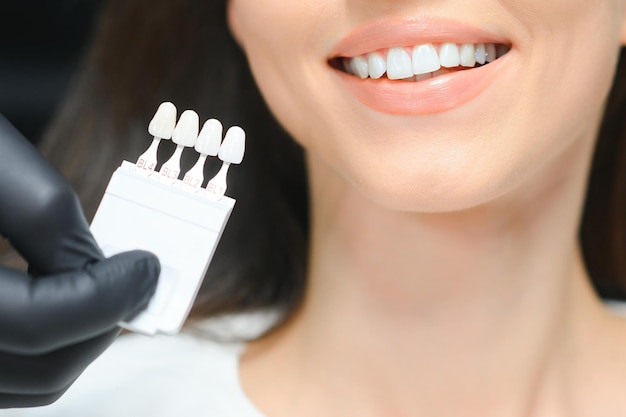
x,y
439,191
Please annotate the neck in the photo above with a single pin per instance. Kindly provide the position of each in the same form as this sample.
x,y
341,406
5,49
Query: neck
x,y
412,310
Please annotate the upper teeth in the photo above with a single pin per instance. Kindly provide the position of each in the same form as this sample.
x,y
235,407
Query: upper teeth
x,y
401,62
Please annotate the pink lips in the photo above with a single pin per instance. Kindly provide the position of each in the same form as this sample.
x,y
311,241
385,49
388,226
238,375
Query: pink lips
x,y
436,95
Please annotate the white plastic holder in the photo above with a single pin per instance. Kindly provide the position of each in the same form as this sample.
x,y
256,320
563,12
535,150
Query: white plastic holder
x,y
182,229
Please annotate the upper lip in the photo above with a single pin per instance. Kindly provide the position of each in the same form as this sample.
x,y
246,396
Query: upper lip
x,y
388,33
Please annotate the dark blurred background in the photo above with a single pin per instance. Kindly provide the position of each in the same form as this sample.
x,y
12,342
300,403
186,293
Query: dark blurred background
x,y
41,42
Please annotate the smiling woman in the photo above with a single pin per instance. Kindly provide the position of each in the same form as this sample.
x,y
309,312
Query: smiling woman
x,y
430,265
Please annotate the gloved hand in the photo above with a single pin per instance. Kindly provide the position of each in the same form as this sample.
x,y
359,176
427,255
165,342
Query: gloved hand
x,y
59,317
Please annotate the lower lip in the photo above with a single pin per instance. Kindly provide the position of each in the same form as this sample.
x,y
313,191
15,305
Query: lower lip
x,y
439,94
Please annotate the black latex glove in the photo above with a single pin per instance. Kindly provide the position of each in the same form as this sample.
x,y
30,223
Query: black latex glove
x,y
63,314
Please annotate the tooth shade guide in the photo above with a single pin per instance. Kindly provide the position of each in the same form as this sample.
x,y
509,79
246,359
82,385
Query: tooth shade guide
x,y
231,152
170,170
208,144
163,123
216,187
157,214
210,138
139,212
193,179
185,135
160,127
147,161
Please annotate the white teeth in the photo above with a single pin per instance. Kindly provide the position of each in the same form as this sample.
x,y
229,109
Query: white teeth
x,y
425,59
449,55
468,58
360,67
377,65
399,64
490,52
480,54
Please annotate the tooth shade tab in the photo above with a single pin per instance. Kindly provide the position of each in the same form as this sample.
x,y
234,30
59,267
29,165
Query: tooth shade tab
x,y
425,59
164,120
233,146
208,143
161,127
186,131
231,152
210,138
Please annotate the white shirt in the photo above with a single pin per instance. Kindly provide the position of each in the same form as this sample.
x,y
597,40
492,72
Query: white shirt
x,y
186,375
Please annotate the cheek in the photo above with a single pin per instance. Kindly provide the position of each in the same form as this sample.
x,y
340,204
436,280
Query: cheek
x,y
570,47
569,58
281,42
279,29
261,21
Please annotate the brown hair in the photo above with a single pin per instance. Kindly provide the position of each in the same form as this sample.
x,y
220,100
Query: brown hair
x,y
181,51
603,226
147,52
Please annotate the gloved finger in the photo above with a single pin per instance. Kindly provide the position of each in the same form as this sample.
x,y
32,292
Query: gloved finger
x,y
42,315
39,211
23,401
52,372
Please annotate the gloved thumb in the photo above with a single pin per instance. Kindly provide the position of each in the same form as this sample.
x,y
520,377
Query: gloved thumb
x,y
50,312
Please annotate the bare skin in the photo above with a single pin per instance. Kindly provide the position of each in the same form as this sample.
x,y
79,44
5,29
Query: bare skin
x,y
486,312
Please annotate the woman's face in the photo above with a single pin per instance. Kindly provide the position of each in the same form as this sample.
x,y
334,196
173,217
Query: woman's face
x,y
435,141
